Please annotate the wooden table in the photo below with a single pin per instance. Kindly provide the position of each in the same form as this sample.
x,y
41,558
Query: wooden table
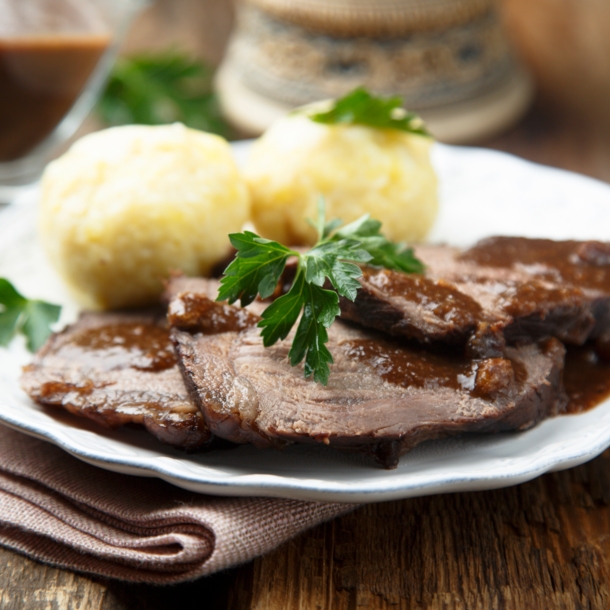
x,y
543,544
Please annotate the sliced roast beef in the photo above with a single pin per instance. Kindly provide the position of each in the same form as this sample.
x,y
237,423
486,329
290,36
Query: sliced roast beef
x,y
569,264
582,263
414,306
118,369
178,283
383,397
485,298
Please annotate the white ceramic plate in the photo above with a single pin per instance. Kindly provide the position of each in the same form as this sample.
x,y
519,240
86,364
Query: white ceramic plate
x,y
482,193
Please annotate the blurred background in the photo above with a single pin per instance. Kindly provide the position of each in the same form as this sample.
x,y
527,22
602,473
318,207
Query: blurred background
x,y
528,76
563,44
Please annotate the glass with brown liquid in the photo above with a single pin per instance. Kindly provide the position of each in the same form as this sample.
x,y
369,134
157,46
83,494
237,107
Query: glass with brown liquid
x,y
54,58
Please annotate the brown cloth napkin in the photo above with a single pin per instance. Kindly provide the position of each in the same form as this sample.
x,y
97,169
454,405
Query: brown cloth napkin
x,y
62,511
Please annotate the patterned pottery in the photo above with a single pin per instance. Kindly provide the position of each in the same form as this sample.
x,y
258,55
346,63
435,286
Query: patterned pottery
x,y
449,60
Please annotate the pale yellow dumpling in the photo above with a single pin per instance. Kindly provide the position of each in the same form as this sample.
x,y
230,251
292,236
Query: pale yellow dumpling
x,y
384,172
126,206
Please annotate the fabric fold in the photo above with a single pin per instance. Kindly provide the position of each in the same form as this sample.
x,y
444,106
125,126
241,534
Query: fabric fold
x,y
62,511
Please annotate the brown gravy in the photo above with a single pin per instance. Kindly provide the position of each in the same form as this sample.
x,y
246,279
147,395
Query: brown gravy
x,y
145,347
439,297
586,375
40,78
412,365
583,264
586,378
197,313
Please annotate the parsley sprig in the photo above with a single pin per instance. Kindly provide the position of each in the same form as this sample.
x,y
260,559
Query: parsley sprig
x,y
259,264
359,107
162,87
30,317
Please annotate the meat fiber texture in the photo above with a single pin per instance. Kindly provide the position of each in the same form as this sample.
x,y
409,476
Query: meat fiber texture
x,y
383,397
491,295
118,369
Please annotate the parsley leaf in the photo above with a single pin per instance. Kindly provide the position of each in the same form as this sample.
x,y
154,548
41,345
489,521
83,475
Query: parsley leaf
x,y
30,317
259,264
279,318
328,260
384,253
359,107
255,270
165,87
320,308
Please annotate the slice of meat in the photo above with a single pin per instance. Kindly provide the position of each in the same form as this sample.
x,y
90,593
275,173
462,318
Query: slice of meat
x,y
568,264
187,301
582,263
413,306
178,283
483,298
118,369
383,397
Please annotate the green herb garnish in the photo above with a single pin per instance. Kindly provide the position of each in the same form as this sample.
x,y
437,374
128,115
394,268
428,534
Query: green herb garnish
x,y
162,88
259,263
361,108
18,314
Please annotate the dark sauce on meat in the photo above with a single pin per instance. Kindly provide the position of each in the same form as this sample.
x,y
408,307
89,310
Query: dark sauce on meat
x,y
442,299
586,374
117,370
586,378
149,346
520,299
414,366
584,264
197,313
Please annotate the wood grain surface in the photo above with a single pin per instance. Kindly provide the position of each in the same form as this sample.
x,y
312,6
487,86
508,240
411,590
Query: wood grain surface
x,y
543,544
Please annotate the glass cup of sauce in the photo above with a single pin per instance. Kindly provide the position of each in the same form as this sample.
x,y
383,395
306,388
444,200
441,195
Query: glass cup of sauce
x,y
54,59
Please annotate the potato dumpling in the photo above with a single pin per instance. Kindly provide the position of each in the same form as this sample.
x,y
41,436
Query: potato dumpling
x,y
126,206
384,172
